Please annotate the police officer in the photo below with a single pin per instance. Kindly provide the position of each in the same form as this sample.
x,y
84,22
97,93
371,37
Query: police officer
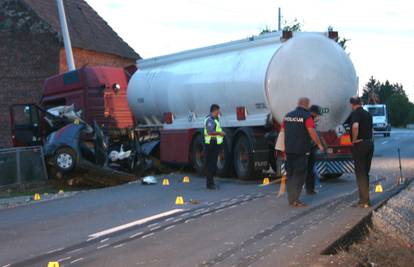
x,y
299,130
363,148
315,111
213,138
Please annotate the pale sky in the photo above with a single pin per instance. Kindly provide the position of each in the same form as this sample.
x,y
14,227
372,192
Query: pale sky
x,y
381,32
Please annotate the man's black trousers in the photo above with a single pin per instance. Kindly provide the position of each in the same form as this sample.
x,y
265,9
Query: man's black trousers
x,y
362,154
296,171
310,177
212,151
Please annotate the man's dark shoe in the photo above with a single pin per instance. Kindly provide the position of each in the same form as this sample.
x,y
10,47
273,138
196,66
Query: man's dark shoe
x,y
213,187
311,192
298,204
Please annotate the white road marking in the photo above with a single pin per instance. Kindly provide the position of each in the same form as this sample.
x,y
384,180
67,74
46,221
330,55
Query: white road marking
x,y
155,228
185,214
77,260
103,246
54,250
189,220
170,219
104,240
120,245
7,265
148,235
135,235
169,227
383,143
135,223
74,251
152,225
64,259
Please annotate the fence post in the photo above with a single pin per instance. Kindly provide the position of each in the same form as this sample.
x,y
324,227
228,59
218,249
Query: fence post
x,y
18,171
43,163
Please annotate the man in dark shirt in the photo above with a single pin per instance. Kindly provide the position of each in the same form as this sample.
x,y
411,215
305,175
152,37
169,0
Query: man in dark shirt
x,y
299,131
363,148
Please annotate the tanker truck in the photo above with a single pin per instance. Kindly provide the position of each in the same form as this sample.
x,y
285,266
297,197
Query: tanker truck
x,y
160,110
256,81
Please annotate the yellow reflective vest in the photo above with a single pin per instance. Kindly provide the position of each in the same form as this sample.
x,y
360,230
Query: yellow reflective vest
x,y
208,137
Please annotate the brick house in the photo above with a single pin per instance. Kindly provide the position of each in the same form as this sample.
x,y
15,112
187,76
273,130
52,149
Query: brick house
x,y
31,49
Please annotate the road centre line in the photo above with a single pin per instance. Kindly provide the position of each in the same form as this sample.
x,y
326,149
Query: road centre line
x,y
134,223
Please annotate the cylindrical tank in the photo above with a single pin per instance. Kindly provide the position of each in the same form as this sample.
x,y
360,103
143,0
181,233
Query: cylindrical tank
x,y
266,75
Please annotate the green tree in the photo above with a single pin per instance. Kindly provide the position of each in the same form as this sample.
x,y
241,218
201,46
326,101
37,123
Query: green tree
x,y
399,107
371,88
294,26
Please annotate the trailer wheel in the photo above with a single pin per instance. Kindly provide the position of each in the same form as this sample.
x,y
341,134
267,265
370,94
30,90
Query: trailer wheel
x,y
243,158
198,158
64,160
225,161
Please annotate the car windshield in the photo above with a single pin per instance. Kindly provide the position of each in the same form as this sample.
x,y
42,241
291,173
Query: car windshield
x,y
376,111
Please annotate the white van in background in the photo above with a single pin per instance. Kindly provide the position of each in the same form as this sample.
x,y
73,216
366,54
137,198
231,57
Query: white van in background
x,y
379,118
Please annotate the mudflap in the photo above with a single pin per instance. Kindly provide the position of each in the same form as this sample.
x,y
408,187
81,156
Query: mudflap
x,y
327,164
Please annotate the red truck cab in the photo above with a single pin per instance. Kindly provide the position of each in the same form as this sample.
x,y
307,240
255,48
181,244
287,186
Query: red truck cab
x,y
100,92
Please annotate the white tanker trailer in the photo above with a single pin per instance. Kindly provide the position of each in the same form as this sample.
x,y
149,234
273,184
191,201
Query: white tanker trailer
x,y
256,81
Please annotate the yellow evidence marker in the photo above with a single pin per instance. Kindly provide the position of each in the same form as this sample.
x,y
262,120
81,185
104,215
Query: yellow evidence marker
x,y
179,200
53,264
378,188
165,181
36,196
266,181
186,179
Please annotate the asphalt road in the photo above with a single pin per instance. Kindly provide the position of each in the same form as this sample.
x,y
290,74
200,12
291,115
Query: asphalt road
x,y
242,224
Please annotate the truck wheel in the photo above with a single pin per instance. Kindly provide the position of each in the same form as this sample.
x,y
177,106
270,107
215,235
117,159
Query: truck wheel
x,y
224,162
65,160
198,158
331,176
243,158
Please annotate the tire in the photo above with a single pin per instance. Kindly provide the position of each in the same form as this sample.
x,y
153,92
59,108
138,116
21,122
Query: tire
x,y
224,161
331,176
243,158
64,160
198,155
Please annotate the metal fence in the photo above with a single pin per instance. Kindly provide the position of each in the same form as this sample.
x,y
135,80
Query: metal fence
x,y
22,165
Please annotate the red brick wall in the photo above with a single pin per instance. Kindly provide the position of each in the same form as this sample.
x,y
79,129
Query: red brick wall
x,y
26,61
84,57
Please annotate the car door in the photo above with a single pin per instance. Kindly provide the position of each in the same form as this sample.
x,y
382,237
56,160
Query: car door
x,y
25,125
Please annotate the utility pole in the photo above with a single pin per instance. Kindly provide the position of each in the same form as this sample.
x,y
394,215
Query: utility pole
x,y
65,33
279,19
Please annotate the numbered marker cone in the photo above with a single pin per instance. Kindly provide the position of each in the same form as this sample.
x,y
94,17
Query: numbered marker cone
x,y
186,179
60,192
282,189
165,182
53,264
378,188
266,181
179,200
36,196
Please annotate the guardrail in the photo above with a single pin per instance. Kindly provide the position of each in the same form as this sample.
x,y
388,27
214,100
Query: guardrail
x,y
22,165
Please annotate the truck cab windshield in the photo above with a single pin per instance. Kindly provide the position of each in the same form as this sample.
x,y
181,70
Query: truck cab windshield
x,y
376,111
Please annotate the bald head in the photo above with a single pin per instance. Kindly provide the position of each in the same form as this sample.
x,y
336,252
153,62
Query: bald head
x,y
303,102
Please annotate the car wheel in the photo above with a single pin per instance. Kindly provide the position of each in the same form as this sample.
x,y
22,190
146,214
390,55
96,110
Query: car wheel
x,y
243,158
224,161
198,154
65,160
